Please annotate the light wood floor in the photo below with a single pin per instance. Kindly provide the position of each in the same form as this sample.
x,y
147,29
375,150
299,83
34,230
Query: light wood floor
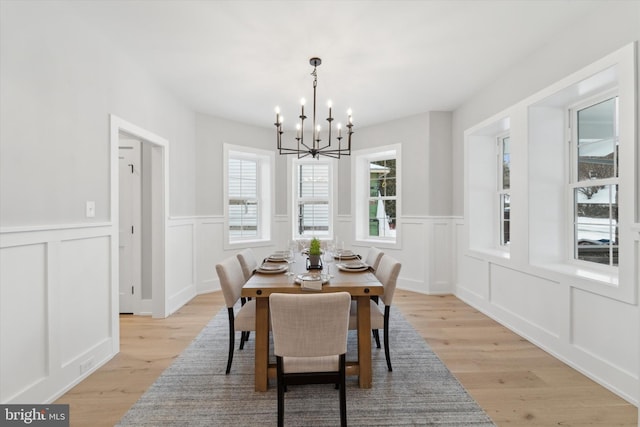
x,y
516,383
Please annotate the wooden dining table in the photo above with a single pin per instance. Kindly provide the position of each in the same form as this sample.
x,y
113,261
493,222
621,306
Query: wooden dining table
x,y
361,285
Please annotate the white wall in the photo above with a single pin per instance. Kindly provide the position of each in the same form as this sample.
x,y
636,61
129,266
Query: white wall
x,y
592,324
60,81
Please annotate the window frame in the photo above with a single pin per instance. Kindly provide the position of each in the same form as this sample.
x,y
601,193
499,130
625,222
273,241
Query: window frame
x,y
361,186
502,192
295,199
574,183
265,161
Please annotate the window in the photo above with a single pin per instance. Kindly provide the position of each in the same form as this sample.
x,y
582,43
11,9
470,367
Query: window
x,y
594,181
382,198
376,194
504,187
248,194
488,186
312,201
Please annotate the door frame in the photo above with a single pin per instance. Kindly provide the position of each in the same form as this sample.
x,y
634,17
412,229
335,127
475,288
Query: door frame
x,y
159,213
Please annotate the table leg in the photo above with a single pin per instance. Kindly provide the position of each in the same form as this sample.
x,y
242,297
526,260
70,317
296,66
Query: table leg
x,y
262,344
364,341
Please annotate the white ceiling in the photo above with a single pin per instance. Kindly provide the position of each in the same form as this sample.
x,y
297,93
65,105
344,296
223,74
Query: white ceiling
x,y
384,59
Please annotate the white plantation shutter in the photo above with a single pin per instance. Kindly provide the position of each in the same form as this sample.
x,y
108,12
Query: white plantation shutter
x,y
243,198
313,197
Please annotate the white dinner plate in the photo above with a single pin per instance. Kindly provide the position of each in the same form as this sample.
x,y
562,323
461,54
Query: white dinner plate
x,y
272,268
346,255
353,267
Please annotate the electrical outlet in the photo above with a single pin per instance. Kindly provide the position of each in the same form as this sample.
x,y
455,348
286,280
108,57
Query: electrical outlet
x,y
91,209
86,365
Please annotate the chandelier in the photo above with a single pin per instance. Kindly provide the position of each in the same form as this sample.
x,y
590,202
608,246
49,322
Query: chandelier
x,y
317,147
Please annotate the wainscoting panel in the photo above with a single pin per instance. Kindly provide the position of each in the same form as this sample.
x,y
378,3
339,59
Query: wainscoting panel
x,y
426,252
599,329
209,252
413,256
535,302
83,294
181,262
56,305
24,357
441,255
594,334
473,275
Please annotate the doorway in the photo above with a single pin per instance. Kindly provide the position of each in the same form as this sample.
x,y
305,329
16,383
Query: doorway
x,y
153,211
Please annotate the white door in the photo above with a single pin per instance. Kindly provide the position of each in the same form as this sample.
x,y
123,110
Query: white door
x,y
130,225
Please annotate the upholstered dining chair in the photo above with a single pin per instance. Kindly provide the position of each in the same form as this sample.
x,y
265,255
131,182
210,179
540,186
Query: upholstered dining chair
x,y
387,273
310,342
248,262
244,320
373,257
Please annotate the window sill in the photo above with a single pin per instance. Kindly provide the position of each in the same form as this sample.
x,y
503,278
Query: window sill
x,y
500,254
594,276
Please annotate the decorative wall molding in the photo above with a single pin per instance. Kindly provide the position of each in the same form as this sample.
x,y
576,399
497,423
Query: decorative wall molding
x,y
61,276
568,322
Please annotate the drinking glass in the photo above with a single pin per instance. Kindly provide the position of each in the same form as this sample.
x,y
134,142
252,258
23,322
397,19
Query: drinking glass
x,y
290,257
328,258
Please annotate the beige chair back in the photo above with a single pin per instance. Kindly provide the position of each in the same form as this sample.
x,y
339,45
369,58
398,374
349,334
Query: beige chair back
x,y
387,273
231,279
248,262
373,258
312,325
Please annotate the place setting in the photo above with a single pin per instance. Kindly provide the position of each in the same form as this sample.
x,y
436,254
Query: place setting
x,y
345,254
353,266
278,256
311,281
349,261
272,268
277,262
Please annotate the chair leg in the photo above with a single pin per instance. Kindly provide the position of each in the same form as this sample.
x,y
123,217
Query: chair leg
x,y
281,390
232,336
376,335
343,393
243,338
386,337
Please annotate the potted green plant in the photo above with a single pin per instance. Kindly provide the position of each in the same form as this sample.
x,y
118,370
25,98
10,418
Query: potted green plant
x,y
315,253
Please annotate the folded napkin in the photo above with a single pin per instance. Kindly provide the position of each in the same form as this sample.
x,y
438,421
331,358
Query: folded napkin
x,y
312,285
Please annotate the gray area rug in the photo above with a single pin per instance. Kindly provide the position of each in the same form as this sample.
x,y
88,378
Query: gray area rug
x,y
194,390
